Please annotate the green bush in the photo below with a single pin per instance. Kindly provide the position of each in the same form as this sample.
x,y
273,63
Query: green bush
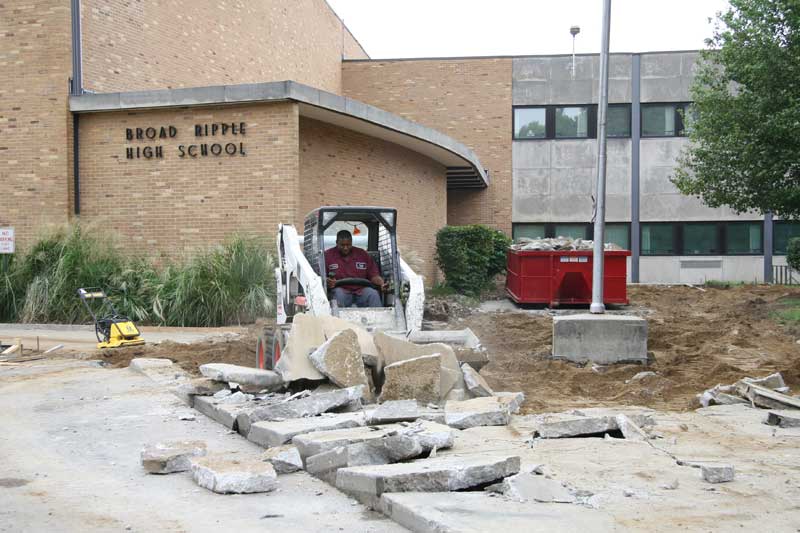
x,y
230,284
793,253
470,256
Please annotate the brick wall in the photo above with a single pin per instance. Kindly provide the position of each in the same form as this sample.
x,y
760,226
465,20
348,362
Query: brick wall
x,y
172,205
35,62
156,44
467,99
341,167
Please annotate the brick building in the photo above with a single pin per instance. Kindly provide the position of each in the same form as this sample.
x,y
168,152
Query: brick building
x,y
178,123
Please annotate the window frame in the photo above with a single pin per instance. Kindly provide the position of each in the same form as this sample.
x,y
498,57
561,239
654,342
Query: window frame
x,y
721,230
775,224
550,122
680,126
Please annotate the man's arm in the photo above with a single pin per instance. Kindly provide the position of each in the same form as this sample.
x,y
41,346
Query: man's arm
x,y
373,274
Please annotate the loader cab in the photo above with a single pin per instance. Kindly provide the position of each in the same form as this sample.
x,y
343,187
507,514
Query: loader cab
x,y
374,229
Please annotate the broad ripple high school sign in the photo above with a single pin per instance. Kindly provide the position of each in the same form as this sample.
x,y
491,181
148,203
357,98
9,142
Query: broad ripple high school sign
x,y
218,139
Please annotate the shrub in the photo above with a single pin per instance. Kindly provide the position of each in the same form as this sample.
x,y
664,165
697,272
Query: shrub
x,y
793,253
470,256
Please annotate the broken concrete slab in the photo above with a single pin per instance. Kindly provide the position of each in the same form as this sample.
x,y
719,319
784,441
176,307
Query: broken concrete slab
x,y
388,449
524,487
717,473
393,350
513,399
308,333
198,387
566,425
173,456
144,364
429,434
233,475
783,419
477,512
489,411
767,398
276,433
284,459
773,381
224,414
629,429
417,378
311,405
394,411
339,359
450,473
475,383
248,379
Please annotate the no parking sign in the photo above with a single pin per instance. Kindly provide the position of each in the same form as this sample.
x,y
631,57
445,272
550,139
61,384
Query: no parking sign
x,y
6,240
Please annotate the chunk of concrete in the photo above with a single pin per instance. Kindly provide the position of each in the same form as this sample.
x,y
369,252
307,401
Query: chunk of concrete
x,y
629,429
311,405
602,339
394,411
393,350
475,383
143,364
271,433
225,414
309,332
717,473
478,512
248,379
339,358
513,399
388,449
417,378
524,487
173,456
489,411
232,475
198,387
766,397
284,459
783,419
773,381
450,473
577,427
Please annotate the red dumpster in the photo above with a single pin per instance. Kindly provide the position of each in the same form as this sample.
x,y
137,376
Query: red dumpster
x,y
564,277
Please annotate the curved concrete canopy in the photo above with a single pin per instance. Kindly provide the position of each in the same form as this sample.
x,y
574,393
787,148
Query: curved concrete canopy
x,y
464,170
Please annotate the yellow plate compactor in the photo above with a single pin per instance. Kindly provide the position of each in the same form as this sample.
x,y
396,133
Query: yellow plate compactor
x,y
114,330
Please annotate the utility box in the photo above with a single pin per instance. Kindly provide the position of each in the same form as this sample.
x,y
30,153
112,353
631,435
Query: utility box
x,y
557,277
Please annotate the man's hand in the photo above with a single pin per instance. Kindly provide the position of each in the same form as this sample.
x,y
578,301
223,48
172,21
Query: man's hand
x,y
377,280
331,282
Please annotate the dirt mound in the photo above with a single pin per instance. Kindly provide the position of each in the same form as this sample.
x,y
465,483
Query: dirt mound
x,y
699,338
233,348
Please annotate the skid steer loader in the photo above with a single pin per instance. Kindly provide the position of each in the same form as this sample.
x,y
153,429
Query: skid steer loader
x,y
302,288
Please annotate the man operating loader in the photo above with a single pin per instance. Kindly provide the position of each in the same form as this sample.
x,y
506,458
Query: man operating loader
x,y
347,262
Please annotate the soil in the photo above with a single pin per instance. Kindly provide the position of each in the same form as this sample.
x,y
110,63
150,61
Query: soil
x,y
699,337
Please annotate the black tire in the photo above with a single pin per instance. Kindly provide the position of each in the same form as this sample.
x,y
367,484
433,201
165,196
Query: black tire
x,y
269,348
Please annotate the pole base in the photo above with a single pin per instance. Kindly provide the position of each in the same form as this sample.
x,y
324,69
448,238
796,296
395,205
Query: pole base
x,y
597,308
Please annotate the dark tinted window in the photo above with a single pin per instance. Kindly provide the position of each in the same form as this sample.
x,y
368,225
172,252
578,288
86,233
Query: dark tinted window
x,y
701,238
782,232
529,123
658,239
743,238
572,122
618,121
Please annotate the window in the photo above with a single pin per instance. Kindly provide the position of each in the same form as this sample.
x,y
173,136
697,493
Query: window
x,y
782,232
664,120
572,122
701,238
618,120
530,231
572,231
743,238
618,234
658,239
529,123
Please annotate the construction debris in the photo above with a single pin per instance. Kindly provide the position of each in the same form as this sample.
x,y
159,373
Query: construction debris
x,y
783,419
574,425
170,457
513,399
144,364
524,487
629,429
714,473
226,475
558,243
475,383
269,434
248,379
767,392
417,378
339,359
394,411
489,411
312,405
284,459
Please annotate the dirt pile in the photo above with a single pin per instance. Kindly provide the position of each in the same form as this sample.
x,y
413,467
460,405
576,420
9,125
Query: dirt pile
x,y
699,338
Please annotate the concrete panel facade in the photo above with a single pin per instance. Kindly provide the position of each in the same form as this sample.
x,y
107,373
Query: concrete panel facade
x,y
699,269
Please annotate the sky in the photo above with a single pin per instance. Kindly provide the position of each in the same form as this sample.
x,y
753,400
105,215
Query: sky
x,y
447,28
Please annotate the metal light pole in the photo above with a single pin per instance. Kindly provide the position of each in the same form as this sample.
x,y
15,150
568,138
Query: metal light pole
x,y
574,30
598,305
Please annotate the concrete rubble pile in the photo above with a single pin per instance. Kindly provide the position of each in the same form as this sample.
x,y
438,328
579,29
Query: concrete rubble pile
x,y
769,392
558,244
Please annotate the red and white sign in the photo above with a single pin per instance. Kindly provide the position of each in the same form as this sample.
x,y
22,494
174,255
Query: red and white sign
x,y
6,240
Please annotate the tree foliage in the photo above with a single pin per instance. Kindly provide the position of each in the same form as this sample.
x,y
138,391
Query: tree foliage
x,y
745,149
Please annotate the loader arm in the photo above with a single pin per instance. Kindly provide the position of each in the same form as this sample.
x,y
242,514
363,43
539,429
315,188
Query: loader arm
x,y
415,305
293,264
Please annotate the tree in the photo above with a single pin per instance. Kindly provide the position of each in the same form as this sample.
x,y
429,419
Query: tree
x,y
745,128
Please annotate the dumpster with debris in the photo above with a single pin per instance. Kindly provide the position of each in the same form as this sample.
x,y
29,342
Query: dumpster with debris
x,y
559,271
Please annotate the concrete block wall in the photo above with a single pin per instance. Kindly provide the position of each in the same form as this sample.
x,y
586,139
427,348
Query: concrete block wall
x,y
342,167
35,156
156,44
467,99
173,205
